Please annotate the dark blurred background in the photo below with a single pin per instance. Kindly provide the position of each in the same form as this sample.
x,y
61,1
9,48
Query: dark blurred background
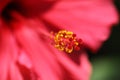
x,y
106,63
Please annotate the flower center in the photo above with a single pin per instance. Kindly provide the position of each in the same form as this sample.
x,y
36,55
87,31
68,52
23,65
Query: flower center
x,y
66,41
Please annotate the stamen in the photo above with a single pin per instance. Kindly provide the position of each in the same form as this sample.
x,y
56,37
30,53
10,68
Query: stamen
x,y
66,41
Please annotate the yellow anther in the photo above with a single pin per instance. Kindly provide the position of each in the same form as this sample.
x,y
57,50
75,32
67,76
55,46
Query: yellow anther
x,y
69,50
66,41
76,43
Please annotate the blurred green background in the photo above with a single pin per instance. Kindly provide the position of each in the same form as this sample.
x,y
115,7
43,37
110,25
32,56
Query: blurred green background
x,y
106,63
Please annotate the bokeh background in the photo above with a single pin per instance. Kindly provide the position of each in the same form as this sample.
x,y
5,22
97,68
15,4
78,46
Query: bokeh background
x,y
106,63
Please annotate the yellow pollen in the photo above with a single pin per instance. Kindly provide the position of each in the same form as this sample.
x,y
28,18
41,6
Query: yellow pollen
x,y
65,41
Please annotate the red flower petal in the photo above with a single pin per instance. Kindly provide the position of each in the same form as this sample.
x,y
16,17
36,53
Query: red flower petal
x,y
8,56
33,7
90,20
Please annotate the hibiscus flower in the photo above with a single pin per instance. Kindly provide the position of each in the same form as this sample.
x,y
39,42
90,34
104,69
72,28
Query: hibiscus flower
x,y
26,49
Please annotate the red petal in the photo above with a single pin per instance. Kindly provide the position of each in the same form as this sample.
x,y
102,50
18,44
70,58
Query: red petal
x,y
8,56
90,20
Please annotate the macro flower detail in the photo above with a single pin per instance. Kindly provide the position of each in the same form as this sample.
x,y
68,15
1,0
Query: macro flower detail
x,y
25,26
67,41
